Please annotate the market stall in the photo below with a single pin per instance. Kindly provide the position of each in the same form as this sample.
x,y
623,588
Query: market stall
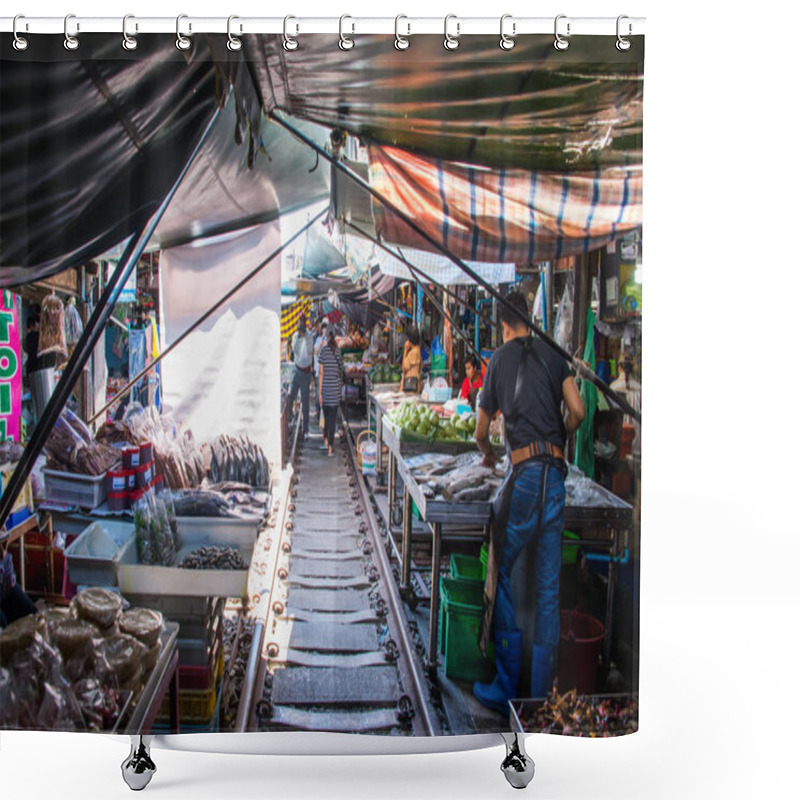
x,y
589,507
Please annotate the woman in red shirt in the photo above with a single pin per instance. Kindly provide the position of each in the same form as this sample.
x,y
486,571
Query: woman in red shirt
x,y
473,379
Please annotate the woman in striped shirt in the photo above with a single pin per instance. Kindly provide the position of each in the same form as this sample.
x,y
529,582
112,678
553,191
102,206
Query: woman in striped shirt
x,y
330,386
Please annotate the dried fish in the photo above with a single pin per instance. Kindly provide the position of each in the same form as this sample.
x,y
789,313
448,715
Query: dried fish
x,y
214,558
465,478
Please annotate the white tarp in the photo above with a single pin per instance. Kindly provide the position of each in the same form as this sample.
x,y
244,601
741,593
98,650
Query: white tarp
x,y
225,376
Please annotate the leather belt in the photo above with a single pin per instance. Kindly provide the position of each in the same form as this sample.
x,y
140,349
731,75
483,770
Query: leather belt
x,y
535,450
303,369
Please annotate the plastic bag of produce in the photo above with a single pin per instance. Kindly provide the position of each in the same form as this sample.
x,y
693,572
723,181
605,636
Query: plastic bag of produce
x,y
63,443
99,703
73,324
145,546
8,700
162,533
143,624
165,496
100,606
52,333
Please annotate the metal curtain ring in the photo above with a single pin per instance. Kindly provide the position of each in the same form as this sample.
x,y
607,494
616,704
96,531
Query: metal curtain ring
x,y
401,42
623,43
560,43
288,42
181,41
345,43
128,42
506,41
20,42
450,41
70,42
234,44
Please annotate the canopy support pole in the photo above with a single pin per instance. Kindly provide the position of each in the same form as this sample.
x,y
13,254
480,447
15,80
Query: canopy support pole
x,y
85,346
206,314
582,370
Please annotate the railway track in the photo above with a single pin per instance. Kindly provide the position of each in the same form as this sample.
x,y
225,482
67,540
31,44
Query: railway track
x,y
333,653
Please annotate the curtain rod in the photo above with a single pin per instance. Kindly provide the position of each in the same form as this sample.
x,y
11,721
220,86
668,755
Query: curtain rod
x,y
405,26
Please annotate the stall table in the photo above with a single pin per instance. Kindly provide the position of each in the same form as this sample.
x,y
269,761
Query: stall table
x,y
611,515
163,679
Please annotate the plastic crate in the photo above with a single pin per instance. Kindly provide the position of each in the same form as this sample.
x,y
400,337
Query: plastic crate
x,y
85,491
484,559
461,610
196,707
569,551
466,568
203,677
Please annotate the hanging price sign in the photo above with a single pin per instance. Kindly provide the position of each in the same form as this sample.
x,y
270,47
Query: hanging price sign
x,y
10,368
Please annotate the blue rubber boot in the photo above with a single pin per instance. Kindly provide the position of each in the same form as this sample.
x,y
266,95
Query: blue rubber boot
x,y
543,670
508,656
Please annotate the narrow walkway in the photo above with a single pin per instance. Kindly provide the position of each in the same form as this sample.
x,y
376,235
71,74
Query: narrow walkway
x,y
332,674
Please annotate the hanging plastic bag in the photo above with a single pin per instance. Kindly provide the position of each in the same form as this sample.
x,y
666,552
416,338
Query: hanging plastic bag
x,y
52,331
563,328
73,324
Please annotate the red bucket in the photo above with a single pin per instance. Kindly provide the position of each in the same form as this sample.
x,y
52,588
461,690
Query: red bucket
x,y
579,652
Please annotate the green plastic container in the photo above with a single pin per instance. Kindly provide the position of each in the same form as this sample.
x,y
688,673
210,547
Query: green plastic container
x,y
466,568
460,612
484,558
569,552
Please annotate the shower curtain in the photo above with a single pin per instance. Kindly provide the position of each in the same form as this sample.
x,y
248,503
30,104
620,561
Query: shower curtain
x,y
525,163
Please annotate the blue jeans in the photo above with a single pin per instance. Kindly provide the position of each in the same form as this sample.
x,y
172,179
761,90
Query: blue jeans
x,y
521,530
301,382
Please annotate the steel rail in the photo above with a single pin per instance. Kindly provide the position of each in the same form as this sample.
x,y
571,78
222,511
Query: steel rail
x,y
412,678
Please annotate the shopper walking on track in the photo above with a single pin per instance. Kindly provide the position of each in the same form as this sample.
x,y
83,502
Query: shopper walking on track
x,y
303,354
330,387
527,381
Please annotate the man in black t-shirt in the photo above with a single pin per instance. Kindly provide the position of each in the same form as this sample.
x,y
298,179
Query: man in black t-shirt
x,y
527,381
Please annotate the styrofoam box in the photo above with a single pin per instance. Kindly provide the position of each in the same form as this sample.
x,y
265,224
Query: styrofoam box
x,y
92,558
136,578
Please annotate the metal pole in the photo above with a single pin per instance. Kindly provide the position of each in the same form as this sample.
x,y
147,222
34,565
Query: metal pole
x,y
91,333
133,381
412,223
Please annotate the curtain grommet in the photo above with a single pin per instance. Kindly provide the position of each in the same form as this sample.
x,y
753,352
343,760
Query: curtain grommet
x,y
401,42
289,43
234,44
20,42
71,43
450,41
622,43
128,42
561,42
182,42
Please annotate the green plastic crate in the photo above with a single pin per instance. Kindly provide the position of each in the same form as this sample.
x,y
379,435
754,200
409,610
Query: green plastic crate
x,y
569,552
460,612
484,559
466,568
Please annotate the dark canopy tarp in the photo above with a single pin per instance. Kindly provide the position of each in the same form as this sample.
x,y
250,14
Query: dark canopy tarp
x,y
91,142
530,108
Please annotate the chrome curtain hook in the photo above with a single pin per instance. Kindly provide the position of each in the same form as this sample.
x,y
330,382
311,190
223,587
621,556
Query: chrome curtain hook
x,y
70,42
181,41
288,42
128,42
450,41
506,41
401,42
20,42
234,44
623,44
345,43
560,42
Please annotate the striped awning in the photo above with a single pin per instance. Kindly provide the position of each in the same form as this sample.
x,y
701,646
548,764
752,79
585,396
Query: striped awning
x,y
291,314
502,215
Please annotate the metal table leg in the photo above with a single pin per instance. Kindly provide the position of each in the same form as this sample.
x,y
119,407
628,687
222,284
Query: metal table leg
x,y
405,575
612,583
379,476
433,637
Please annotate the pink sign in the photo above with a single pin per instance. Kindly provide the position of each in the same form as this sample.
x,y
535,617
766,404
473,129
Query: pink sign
x,y
10,368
